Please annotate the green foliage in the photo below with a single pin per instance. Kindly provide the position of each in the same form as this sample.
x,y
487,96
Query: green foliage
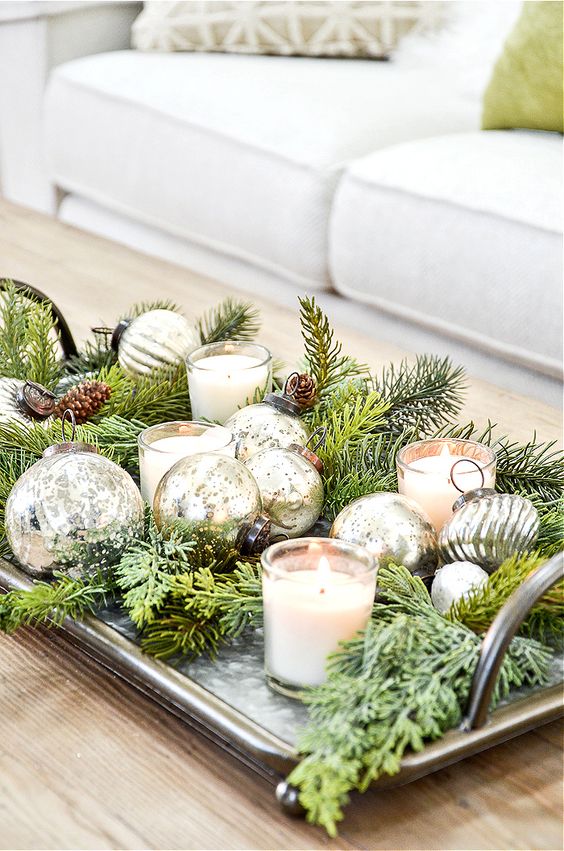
x,y
145,306
402,683
551,532
325,361
425,394
204,610
96,355
479,608
28,338
352,416
230,320
51,602
159,397
145,572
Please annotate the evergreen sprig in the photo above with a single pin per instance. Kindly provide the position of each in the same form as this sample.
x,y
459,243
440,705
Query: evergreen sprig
x,y
425,394
404,682
230,320
51,602
28,338
478,609
325,361
350,419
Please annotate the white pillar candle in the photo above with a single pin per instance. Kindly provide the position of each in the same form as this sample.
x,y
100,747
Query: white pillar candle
x,y
161,446
223,377
426,474
312,602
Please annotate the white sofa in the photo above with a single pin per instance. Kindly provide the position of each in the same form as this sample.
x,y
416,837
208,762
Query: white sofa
x,y
366,179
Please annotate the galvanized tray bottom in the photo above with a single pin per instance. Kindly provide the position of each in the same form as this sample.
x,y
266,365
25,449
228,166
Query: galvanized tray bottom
x,y
230,703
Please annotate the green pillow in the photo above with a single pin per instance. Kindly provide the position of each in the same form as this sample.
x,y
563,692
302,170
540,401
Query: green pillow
x,y
525,89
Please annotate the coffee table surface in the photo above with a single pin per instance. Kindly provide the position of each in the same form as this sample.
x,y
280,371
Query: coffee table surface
x,y
86,762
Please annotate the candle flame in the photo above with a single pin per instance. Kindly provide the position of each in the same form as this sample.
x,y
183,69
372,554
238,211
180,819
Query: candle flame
x,y
323,574
445,451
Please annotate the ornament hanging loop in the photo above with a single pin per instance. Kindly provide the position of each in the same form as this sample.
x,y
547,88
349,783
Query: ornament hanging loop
x,y
321,433
68,415
71,445
467,461
291,384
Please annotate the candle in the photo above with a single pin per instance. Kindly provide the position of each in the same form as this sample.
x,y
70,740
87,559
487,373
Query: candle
x,y
223,377
435,472
161,446
317,592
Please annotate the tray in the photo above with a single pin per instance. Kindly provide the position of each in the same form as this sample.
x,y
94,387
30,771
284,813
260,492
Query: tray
x,y
230,703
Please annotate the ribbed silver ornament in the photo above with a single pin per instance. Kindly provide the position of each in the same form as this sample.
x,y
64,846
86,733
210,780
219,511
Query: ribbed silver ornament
x,y
488,527
155,339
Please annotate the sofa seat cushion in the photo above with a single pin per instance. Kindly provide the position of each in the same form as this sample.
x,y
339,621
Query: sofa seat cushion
x,y
467,228
239,153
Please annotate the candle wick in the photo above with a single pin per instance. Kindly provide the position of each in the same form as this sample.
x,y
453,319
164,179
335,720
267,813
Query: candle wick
x,y
322,590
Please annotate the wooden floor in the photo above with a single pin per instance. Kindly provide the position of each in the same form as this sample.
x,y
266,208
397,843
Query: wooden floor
x,y
87,762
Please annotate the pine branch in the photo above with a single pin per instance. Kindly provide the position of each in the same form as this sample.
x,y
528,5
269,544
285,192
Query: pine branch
x,y
146,570
426,394
478,609
146,306
230,320
96,355
325,362
400,684
51,602
28,338
156,398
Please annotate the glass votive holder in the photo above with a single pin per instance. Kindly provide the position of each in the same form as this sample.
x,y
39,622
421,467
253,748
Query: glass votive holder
x,y
317,592
161,446
223,377
435,472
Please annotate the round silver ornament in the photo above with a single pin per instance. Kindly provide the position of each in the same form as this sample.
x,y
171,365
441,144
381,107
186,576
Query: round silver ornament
x,y
488,527
24,401
393,528
152,340
215,500
73,510
291,488
454,581
275,422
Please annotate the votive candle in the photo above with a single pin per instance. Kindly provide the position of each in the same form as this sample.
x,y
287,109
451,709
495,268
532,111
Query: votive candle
x,y
317,592
427,473
223,377
161,446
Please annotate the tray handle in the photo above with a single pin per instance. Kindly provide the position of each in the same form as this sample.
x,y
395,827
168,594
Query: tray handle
x,y
67,341
499,636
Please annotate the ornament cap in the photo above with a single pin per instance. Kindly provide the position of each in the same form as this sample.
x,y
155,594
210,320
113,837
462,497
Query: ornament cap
x,y
118,331
71,445
310,454
285,401
257,537
471,496
35,400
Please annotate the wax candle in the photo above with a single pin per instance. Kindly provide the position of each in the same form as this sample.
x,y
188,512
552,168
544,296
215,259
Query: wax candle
x,y
316,593
435,472
161,446
223,377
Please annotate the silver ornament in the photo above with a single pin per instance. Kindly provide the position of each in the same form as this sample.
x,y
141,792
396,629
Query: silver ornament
x,y
454,581
215,500
73,510
275,422
291,488
488,527
152,340
393,528
25,401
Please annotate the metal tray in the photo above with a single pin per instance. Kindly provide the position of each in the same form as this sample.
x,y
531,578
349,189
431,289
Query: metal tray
x,y
228,701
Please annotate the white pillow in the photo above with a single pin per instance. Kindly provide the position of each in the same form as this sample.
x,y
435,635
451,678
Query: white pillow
x,y
318,28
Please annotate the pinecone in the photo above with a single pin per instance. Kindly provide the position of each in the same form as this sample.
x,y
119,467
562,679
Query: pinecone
x,y
306,391
84,400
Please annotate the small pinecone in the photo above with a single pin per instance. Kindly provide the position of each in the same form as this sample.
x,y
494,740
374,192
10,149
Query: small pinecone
x,y
84,400
306,391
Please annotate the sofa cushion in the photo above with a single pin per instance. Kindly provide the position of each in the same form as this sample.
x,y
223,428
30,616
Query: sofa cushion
x,y
467,227
239,153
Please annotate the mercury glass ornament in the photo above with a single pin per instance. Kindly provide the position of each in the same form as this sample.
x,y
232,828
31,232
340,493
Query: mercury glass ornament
x,y
393,528
488,527
24,401
454,581
216,501
291,488
152,340
73,510
275,422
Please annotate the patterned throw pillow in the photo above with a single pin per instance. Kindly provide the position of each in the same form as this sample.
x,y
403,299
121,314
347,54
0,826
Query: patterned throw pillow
x,y
318,28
